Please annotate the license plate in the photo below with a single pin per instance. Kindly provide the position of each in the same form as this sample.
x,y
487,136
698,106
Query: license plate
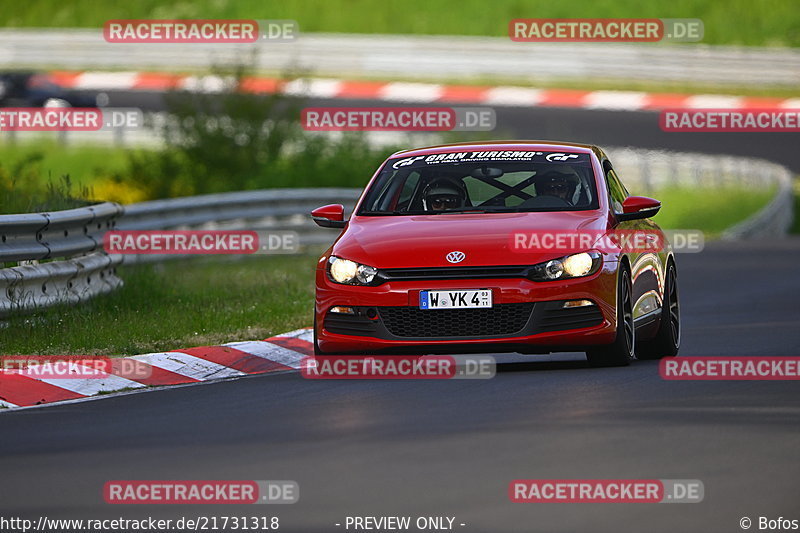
x,y
455,299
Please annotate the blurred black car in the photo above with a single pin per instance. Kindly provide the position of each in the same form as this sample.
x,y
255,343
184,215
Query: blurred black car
x,y
32,89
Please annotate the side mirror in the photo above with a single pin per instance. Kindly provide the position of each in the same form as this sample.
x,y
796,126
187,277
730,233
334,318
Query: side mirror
x,y
329,216
636,207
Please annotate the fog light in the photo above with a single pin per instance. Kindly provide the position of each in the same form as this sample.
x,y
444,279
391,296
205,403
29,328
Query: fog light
x,y
343,310
577,303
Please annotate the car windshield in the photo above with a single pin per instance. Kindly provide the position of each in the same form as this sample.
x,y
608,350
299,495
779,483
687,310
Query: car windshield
x,y
483,181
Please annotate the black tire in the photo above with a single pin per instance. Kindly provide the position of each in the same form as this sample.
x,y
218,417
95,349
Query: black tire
x,y
667,341
621,351
317,351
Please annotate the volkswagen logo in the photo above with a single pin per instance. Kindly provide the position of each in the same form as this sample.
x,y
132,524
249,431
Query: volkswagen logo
x,y
456,257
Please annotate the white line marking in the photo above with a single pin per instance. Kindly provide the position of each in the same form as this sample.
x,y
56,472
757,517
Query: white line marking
x,y
205,84
116,394
188,365
105,80
92,386
316,87
270,351
306,334
622,100
513,96
7,404
411,92
712,101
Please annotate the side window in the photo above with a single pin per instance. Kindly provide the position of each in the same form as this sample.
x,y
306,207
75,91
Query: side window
x,y
616,190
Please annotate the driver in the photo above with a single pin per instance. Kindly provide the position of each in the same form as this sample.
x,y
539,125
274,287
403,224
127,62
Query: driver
x,y
442,194
558,182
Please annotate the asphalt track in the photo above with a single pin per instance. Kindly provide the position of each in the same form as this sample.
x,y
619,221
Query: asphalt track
x,y
450,448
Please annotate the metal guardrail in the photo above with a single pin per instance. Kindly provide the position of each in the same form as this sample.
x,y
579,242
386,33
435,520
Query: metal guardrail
x,y
772,221
71,281
416,57
69,241
263,210
85,271
645,171
71,232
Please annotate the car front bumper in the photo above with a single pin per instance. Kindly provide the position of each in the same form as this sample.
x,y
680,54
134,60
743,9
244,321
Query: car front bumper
x,y
526,316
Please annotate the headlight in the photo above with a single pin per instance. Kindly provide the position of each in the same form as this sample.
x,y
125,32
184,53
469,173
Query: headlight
x,y
365,274
578,265
571,266
349,272
343,270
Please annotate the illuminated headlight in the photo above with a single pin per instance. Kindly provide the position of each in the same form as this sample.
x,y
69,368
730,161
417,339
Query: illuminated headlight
x,y
349,272
571,266
578,265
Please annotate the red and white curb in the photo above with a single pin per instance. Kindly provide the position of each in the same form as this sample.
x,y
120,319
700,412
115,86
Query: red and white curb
x,y
419,92
205,363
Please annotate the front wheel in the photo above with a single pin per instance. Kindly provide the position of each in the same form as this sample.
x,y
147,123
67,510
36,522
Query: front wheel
x,y
620,352
317,351
668,339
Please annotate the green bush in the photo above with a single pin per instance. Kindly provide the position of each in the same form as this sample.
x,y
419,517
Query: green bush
x,y
233,140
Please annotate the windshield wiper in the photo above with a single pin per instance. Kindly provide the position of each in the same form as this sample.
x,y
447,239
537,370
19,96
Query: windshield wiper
x,y
479,209
487,209
382,213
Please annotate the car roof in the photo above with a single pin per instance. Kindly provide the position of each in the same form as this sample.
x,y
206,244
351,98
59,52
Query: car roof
x,y
550,146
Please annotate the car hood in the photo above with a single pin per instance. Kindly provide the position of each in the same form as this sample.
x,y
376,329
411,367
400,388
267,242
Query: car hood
x,y
485,238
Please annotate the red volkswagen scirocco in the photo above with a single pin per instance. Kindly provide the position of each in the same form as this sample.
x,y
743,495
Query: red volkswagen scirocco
x,y
445,253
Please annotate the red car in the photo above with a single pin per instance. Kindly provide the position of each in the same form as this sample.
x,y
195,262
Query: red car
x,y
495,247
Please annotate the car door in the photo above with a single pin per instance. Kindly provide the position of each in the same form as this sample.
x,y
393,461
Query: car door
x,y
647,273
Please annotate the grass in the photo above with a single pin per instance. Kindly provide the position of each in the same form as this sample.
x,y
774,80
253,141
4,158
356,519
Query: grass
x,y
710,210
49,159
176,304
738,22
206,301
87,163
104,173
45,175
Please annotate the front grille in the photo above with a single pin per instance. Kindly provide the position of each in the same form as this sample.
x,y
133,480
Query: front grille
x,y
478,272
556,318
500,320
503,320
